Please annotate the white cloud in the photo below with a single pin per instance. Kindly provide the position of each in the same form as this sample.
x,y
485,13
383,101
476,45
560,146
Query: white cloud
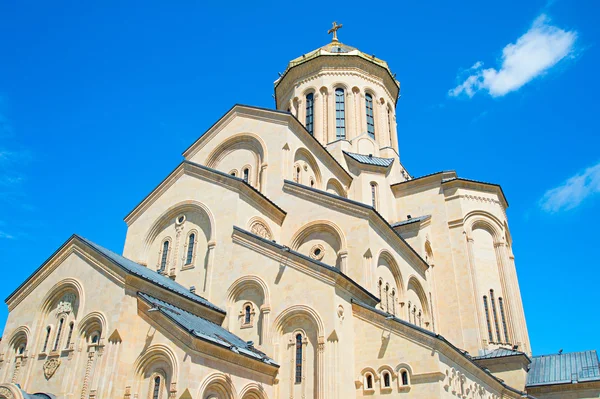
x,y
6,235
572,192
539,49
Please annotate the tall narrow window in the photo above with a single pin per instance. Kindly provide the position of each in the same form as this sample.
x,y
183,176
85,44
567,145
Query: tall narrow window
x,y
165,255
374,195
70,335
496,324
387,298
48,329
393,302
380,288
404,376
419,318
246,174
310,108
487,318
156,389
504,326
340,114
298,359
370,119
247,314
58,332
297,175
386,379
190,249
369,381
389,119
409,319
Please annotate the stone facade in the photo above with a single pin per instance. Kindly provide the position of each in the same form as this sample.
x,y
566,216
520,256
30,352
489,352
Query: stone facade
x,y
299,232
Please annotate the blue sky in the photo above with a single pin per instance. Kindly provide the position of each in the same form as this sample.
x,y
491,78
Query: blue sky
x,y
99,99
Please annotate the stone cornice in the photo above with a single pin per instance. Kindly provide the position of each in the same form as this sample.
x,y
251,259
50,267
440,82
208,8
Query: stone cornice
x,y
358,209
335,62
568,387
422,183
477,186
318,270
272,116
434,341
206,348
246,191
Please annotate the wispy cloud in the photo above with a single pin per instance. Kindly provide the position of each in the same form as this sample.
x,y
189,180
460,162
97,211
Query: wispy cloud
x,y
573,191
6,236
534,53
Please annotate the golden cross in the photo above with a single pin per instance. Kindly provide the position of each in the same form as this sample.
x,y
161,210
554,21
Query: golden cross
x,y
334,31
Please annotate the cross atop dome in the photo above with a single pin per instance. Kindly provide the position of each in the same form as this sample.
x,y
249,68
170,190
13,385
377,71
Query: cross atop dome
x,y
334,30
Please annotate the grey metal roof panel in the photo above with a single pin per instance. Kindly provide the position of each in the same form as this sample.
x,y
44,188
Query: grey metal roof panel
x,y
565,368
500,352
411,220
370,160
150,275
205,329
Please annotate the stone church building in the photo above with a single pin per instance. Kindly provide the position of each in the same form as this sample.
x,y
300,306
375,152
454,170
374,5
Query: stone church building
x,y
291,255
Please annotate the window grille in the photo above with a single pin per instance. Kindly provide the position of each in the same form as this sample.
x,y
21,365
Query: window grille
x,y
310,106
298,359
340,114
370,119
190,249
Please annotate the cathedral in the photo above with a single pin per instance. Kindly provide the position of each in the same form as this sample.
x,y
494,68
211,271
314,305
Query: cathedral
x,y
291,255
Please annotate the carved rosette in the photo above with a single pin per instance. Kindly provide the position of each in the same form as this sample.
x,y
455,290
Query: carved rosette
x,y
50,367
6,393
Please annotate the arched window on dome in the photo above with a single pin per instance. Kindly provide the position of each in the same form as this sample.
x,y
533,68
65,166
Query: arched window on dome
x,y
310,110
370,118
340,114
504,326
486,309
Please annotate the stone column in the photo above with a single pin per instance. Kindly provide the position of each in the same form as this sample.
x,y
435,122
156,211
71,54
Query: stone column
x,y
482,327
351,130
209,266
262,177
507,295
343,254
88,371
320,394
266,324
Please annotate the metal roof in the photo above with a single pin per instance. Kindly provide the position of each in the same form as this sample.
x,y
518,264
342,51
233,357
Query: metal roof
x,y
565,368
205,329
411,220
500,352
150,275
370,159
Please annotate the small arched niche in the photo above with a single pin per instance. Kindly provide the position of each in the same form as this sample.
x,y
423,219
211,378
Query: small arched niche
x,y
322,241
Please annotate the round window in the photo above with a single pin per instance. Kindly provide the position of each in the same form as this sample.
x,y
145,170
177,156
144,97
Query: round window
x,y
317,252
180,219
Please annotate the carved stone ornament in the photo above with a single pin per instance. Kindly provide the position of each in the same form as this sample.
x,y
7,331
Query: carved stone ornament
x,y
50,367
6,393
260,230
66,304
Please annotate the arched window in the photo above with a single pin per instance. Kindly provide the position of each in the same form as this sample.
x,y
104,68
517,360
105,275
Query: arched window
x,y
404,376
387,298
165,255
246,174
419,319
156,389
21,349
493,303
233,173
340,114
504,326
95,338
297,175
386,379
370,119
374,194
70,335
247,314
190,249
380,288
312,182
486,309
369,381
298,358
58,332
409,306
48,329
393,302
310,108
